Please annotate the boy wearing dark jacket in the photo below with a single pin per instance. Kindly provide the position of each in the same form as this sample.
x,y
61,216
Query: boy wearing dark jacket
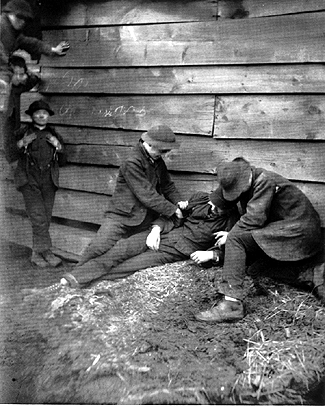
x,y
144,190
37,177
278,224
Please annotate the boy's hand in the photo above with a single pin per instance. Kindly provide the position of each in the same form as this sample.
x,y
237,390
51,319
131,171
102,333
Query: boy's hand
x,y
26,140
62,48
201,256
179,213
153,239
182,205
53,140
221,238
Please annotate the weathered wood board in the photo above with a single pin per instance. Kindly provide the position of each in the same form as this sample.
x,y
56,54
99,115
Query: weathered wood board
x,y
299,117
297,161
259,8
186,80
122,12
286,117
183,114
87,207
284,39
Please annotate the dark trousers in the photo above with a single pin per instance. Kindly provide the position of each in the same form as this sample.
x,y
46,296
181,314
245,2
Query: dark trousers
x,y
240,246
242,254
127,256
39,196
110,232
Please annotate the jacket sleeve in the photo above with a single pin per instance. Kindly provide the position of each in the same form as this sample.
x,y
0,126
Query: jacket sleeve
x,y
33,45
258,207
144,191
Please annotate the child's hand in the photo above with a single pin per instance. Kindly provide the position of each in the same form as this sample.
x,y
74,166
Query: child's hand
x,y
182,205
62,48
200,257
179,213
221,238
26,140
53,140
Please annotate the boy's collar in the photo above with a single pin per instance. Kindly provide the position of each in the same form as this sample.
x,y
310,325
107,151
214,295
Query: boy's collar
x,y
146,153
41,129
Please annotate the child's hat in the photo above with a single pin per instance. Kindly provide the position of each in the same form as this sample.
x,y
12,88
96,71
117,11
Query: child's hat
x,y
20,8
39,105
160,136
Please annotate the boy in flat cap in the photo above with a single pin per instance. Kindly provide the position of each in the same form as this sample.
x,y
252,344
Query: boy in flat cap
x,y
40,150
278,223
144,191
169,240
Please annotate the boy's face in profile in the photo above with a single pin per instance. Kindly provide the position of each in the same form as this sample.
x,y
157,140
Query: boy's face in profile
x,y
17,21
40,117
19,77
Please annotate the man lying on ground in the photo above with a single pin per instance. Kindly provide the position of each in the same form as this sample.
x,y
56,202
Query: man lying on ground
x,y
169,240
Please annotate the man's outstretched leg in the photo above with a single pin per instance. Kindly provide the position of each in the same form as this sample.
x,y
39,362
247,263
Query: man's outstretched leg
x,y
95,268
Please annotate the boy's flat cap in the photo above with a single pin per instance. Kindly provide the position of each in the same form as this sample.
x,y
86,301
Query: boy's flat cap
x,y
20,8
160,136
39,105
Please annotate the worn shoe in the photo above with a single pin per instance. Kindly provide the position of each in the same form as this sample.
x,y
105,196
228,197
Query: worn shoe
x,y
38,260
52,259
226,310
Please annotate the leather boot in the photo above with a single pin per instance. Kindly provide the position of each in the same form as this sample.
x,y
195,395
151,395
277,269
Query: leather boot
x,y
226,310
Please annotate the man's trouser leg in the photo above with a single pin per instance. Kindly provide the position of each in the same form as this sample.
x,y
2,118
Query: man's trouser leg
x,y
239,246
147,259
126,257
110,232
107,236
124,248
38,210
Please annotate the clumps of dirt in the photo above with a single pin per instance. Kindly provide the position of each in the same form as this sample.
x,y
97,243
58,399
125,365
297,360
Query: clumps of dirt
x,y
136,341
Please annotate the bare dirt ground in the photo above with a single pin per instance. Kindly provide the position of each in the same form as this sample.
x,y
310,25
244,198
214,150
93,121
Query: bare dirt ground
x,y
136,341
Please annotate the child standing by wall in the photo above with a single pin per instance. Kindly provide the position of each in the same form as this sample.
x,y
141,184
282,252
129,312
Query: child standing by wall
x,y
37,177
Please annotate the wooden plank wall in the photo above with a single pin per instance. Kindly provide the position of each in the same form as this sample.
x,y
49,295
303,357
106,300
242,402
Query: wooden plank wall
x,y
231,78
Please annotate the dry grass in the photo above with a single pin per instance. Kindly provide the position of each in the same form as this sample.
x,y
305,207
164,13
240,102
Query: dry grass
x,y
280,371
285,338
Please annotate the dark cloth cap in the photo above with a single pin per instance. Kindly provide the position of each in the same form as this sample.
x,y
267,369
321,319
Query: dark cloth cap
x,y
39,105
161,137
20,8
234,178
